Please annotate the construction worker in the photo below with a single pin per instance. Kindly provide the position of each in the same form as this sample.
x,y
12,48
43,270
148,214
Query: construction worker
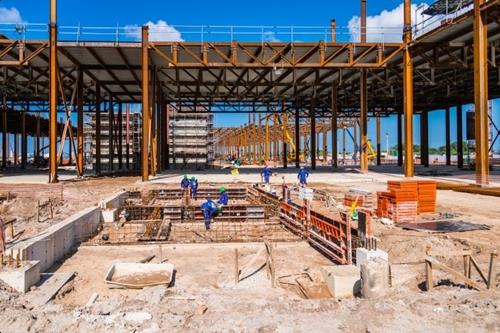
x,y
209,209
302,176
223,198
2,236
193,183
185,183
266,174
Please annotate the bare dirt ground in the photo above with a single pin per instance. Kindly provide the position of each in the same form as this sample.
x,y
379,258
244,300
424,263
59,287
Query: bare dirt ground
x,y
205,299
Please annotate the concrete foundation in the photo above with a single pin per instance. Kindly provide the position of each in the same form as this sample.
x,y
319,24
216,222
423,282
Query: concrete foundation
x,y
109,215
342,281
374,278
23,278
364,255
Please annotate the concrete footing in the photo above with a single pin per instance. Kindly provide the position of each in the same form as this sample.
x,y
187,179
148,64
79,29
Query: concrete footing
x,y
22,278
342,281
363,255
374,278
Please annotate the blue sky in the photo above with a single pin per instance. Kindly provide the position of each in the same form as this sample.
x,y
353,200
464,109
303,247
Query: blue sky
x,y
224,12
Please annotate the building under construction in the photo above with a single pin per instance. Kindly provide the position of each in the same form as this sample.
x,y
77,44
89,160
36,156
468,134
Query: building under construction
x,y
174,221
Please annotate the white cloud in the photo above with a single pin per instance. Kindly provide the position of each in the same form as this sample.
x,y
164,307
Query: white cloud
x,y
270,37
159,31
10,15
386,26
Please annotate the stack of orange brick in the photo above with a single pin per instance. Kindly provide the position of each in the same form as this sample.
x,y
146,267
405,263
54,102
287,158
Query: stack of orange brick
x,y
406,199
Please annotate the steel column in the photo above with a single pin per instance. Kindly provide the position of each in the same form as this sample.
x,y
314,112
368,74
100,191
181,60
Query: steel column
x,y
285,128
111,146
400,138
4,136
127,136
313,134
37,139
24,138
379,157
79,121
448,136
145,105
408,91
297,137
98,129
363,121
334,126
424,138
120,136
53,94
460,138
167,134
152,121
481,125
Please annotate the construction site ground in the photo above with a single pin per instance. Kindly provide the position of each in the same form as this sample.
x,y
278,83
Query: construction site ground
x,y
204,297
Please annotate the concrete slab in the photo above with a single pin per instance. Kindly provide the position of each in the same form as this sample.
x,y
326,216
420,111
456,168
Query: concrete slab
x,y
364,255
51,283
23,278
342,281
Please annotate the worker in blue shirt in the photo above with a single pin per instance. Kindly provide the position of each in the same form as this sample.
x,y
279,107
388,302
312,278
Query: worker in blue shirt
x,y
266,174
302,176
209,209
185,183
223,198
193,183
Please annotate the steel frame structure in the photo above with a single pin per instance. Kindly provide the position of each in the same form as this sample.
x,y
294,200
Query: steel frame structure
x,y
323,79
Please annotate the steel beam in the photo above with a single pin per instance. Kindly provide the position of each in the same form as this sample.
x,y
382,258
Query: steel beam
x,y
408,91
481,93
145,105
53,94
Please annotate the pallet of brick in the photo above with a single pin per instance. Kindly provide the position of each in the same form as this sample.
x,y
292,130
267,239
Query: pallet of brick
x,y
383,201
403,212
426,196
351,198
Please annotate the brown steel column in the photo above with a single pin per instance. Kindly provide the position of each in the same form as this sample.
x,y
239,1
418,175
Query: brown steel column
x,y
363,120
127,136
400,138
460,136
4,136
53,94
325,145
111,147
424,138
98,129
334,106
16,149
145,106
344,152
79,124
408,91
297,137
152,121
313,134
37,140
283,139
24,138
481,126
120,136
448,136
167,134
379,157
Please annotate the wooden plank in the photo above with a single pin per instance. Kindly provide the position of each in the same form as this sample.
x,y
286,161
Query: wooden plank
x,y
49,288
454,273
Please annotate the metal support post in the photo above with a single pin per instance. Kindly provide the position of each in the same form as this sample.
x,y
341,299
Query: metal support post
x,y
98,129
53,94
448,136
400,138
313,134
24,138
334,106
79,125
460,138
379,157
363,121
424,138
408,91
145,105
481,126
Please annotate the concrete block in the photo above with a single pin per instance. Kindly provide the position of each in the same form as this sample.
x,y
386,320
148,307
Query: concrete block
x,y
364,255
374,278
342,281
22,278
109,215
